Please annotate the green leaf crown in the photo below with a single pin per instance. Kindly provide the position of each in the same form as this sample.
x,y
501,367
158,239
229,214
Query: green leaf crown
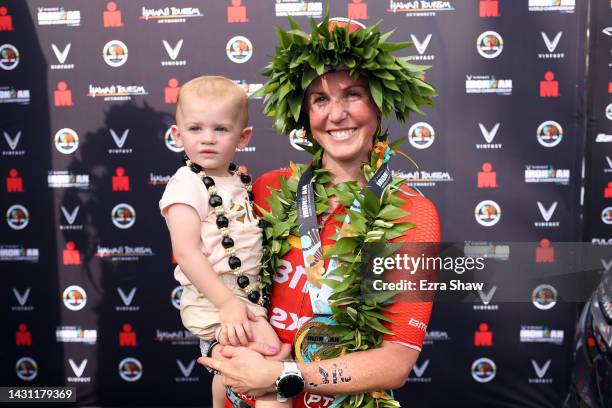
x,y
394,83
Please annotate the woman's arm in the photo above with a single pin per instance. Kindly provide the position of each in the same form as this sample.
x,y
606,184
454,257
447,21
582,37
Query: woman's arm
x,y
387,367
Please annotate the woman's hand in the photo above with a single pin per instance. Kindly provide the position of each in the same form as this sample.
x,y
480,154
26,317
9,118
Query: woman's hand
x,y
246,370
235,323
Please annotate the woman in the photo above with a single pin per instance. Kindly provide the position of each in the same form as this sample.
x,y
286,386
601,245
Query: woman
x,y
336,84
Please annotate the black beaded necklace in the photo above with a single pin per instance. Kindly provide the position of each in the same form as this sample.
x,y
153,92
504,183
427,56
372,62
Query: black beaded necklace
x,y
252,290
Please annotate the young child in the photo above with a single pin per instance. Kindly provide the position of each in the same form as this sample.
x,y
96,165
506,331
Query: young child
x,y
216,238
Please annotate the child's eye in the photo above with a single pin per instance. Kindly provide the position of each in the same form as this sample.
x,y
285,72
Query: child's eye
x,y
221,129
194,128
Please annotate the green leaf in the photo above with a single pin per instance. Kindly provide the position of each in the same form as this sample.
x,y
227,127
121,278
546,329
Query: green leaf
x,y
376,90
342,246
371,203
391,212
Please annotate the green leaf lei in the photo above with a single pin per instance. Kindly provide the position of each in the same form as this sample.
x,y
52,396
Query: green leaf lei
x,y
396,87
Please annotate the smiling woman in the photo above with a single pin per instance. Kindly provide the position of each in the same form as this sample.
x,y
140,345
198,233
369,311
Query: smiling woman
x,y
336,83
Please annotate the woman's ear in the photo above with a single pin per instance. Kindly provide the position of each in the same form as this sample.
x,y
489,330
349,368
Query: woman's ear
x,y
245,137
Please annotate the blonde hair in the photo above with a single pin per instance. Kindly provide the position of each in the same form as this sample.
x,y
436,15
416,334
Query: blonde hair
x,y
218,88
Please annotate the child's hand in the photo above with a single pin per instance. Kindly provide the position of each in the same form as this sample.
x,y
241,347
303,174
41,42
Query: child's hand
x,y
235,325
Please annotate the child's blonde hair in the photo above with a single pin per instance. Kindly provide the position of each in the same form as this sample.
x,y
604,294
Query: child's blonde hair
x,y
221,89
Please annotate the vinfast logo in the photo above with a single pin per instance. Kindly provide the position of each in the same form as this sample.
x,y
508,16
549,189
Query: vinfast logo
x,y
487,84
186,370
551,45
127,298
419,370
540,372
606,264
284,8
173,52
169,14
61,56
547,214
489,135
70,217
485,298
607,31
78,369
421,47
423,8
12,142
22,300
130,369
26,369
119,142
483,370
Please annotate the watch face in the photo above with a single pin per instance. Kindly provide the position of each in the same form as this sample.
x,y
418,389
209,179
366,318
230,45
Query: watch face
x,y
290,386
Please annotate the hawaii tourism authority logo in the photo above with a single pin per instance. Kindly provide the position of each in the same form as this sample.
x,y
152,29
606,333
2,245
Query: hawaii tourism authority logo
x,y
17,217
169,14
115,53
123,216
423,8
489,44
421,135
563,6
549,133
74,297
66,141
9,57
122,253
297,137
487,213
544,297
116,92
484,370
239,49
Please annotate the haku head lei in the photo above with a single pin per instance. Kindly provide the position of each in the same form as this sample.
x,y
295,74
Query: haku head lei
x,y
395,84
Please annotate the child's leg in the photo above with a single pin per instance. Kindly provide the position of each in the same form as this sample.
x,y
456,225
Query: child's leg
x,y
218,391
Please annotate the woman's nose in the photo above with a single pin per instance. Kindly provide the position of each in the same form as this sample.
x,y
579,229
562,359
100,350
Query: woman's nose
x,y
337,111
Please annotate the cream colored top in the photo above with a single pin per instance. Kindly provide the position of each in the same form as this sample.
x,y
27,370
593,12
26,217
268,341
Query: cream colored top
x,y
186,187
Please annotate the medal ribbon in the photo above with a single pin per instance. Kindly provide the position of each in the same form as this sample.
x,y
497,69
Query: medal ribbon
x,y
310,238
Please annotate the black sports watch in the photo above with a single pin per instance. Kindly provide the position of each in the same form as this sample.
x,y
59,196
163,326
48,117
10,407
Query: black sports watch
x,y
290,383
